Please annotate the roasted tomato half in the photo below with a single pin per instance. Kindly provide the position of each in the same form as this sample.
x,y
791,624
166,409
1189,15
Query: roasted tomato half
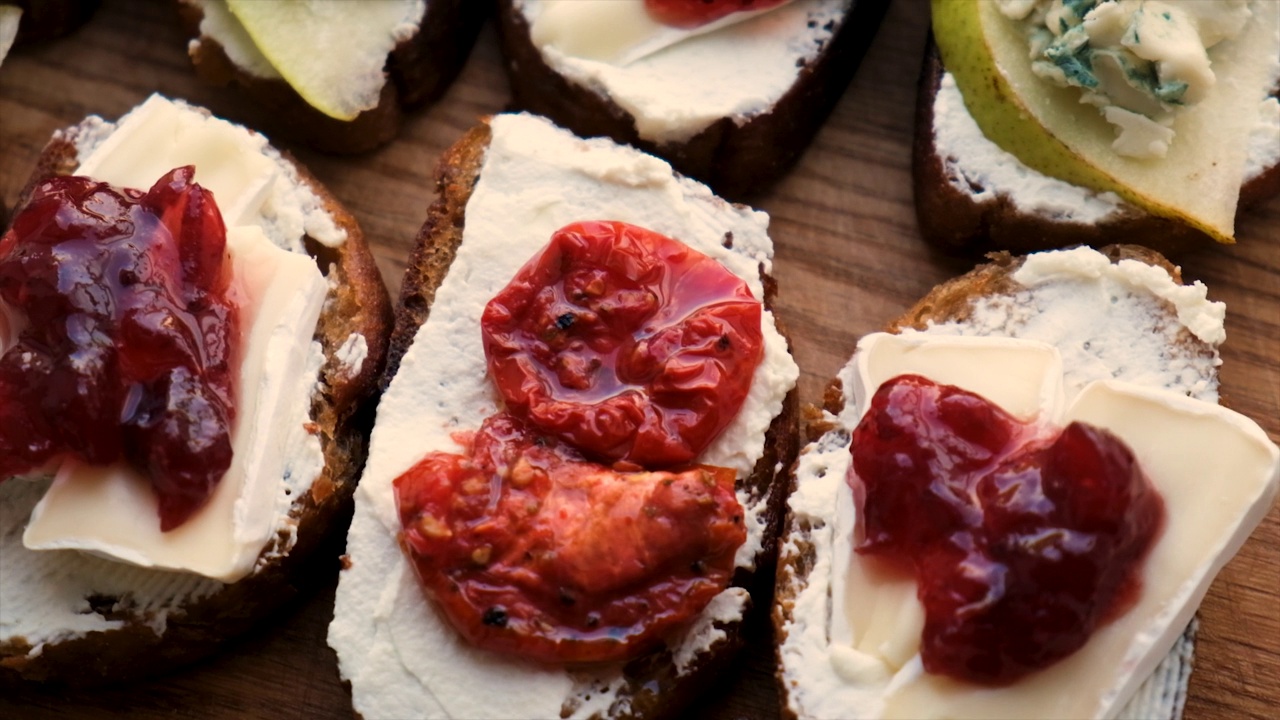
x,y
625,343
693,13
530,549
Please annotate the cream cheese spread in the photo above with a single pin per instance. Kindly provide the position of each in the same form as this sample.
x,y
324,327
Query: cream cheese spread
x,y
739,70
400,657
838,663
45,595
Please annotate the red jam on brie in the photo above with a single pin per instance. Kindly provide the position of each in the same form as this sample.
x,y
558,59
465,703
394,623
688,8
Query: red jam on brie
x,y
130,337
1023,538
613,344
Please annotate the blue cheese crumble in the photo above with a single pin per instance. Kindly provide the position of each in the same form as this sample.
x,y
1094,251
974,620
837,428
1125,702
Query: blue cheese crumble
x,y
1138,61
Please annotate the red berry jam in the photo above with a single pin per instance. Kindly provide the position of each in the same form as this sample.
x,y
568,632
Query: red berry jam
x,y
529,549
1022,544
129,337
693,13
625,343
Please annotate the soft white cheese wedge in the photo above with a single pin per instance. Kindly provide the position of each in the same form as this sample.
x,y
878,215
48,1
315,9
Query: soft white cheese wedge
x,y
111,511
1216,470
160,135
675,92
618,32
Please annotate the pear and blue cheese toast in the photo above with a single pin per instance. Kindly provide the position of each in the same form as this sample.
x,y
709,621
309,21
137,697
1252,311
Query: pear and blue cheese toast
x,y
733,107
502,189
973,195
1116,318
74,616
336,76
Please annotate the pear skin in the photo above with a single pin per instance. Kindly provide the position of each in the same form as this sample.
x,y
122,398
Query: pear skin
x,y
1051,131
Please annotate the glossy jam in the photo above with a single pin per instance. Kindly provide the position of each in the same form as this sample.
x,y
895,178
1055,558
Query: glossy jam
x,y
529,549
128,338
627,344
1022,543
693,13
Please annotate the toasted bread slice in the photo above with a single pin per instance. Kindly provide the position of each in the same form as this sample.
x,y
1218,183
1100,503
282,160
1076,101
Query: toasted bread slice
x,y
77,619
972,208
418,71
738,153
560,178
1138,336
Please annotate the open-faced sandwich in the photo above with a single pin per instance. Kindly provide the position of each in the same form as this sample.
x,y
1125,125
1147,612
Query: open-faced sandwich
x,y
191,330
572,471
1046,123
1016,498
729,91
336,75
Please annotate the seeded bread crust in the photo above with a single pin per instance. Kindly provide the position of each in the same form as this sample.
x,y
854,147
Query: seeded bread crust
x,y
951,301
341,412
419,70
952,220
737,161
653,689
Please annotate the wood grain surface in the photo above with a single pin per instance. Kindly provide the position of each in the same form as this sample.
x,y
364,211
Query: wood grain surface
x,y
848,258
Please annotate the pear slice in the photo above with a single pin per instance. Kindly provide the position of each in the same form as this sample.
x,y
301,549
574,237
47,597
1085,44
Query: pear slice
x,y
1048,129
331,53
9,16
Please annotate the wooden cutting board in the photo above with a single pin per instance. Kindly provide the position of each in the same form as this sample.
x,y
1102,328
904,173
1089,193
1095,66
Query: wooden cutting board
x,y
848,258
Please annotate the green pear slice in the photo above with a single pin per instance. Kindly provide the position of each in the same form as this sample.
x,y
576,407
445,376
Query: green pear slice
x,y
1048,129
9,16
331,53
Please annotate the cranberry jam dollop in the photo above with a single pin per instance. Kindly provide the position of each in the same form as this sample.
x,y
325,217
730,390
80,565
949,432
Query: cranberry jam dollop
x,y
128,337
530,549
695,13
1023,541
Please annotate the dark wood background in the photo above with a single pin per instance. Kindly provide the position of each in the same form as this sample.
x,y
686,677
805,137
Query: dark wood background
x,y
848,258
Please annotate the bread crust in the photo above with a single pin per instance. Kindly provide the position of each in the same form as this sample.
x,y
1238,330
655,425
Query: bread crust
x,y
737,161
951,301
653,690
952,220
342,415
419,70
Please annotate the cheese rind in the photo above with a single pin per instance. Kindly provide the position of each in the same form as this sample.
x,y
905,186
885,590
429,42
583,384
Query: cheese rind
x,y
111,511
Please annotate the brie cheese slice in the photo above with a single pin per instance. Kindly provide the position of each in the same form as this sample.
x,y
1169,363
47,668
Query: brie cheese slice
x,y
111,511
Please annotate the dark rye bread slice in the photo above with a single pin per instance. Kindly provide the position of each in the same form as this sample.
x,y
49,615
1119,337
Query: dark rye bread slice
x,y
419,70
652,686
738,161
341,415
953,301
951,219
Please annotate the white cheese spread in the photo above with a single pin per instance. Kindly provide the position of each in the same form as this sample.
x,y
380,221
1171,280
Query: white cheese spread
x,y
401,658
739,70
864,661
45,595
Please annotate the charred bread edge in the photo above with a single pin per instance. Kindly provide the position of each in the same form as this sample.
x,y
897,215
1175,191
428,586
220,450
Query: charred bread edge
x,y
951,301
342,411
653,689
737,161
950,219
419,70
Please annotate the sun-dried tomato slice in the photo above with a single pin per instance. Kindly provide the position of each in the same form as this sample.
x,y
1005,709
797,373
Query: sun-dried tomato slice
x,y
628,344
529,549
